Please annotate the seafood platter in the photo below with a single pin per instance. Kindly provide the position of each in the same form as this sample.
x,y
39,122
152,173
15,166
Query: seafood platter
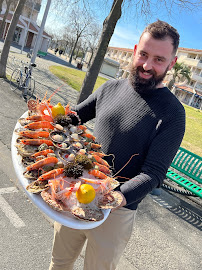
x,y
61,166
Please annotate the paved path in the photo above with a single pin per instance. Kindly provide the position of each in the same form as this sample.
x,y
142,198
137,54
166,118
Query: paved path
x,y
166,235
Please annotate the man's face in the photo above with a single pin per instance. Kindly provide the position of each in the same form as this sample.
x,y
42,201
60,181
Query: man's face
x,y
152,59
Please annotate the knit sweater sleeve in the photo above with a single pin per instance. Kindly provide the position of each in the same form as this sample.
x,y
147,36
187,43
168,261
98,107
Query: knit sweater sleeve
x,y
159,157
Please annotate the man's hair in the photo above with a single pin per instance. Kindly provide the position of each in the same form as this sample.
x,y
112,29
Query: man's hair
x,y
162,30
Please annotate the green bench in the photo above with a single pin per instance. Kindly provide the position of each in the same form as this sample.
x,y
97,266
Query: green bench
x,y
190,165
40,53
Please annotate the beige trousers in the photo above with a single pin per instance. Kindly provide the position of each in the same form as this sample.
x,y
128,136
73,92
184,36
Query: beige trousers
x,y
105,243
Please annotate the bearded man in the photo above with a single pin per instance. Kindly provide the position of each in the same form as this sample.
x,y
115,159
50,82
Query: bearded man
x,y
138,115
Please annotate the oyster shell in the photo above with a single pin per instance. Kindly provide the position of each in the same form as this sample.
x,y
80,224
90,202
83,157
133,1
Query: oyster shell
x,y
31,175
23,121
37,186
87,214
26,150
26,161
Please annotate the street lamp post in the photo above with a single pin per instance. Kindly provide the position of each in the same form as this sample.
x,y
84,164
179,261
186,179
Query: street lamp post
x,y
39,36
38,41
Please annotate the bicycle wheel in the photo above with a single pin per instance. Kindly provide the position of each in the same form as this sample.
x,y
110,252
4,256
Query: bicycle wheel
x,y
16,80
30,87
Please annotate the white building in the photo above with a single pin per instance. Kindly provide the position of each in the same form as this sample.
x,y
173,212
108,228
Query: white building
x,y
191,93
27,29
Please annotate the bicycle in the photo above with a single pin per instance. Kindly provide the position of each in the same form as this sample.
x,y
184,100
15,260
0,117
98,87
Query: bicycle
x,y
23,80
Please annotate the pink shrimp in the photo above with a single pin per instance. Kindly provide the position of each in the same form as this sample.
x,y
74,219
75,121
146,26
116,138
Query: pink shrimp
x,y
101,161
105,185
102,168
93,145
82,127
59,192
39,124
99,154
42,153
40,118
36,142
42,162
98,174
51,174
33,134
89,136
68,111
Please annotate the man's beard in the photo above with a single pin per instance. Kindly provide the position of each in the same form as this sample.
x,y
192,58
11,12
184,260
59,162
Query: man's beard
x,y
142,85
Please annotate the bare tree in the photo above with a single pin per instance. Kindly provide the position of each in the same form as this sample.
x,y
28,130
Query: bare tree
x,y
80,22
2,25
69,39
107,32
92,41
9,37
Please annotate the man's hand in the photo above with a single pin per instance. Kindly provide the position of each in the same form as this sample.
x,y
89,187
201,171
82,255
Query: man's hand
x,y
123,203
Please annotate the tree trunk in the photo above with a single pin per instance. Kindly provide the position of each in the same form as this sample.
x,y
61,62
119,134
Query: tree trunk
x,y
9,37
107,32
1,2
2,25
72,54
91,57
171,83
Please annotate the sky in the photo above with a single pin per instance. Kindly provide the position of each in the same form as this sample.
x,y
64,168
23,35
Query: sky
x,y
130,26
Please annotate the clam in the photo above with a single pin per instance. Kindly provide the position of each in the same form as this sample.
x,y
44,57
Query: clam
x,y
67,156
63,146
74,137
75,129
58,136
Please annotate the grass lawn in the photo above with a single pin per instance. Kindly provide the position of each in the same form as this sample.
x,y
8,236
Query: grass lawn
x,y
74,77
192,139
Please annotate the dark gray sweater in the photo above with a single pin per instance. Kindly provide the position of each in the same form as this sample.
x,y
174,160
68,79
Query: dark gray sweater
x,y
151,125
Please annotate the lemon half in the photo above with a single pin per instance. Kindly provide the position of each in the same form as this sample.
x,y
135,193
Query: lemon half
x,y
57,109
85,194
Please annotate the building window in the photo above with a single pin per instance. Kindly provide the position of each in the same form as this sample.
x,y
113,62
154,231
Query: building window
x,y
192,83
192,56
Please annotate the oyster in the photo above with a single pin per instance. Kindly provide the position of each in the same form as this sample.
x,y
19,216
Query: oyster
x,y
26,150
37,186
31,175
23,121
